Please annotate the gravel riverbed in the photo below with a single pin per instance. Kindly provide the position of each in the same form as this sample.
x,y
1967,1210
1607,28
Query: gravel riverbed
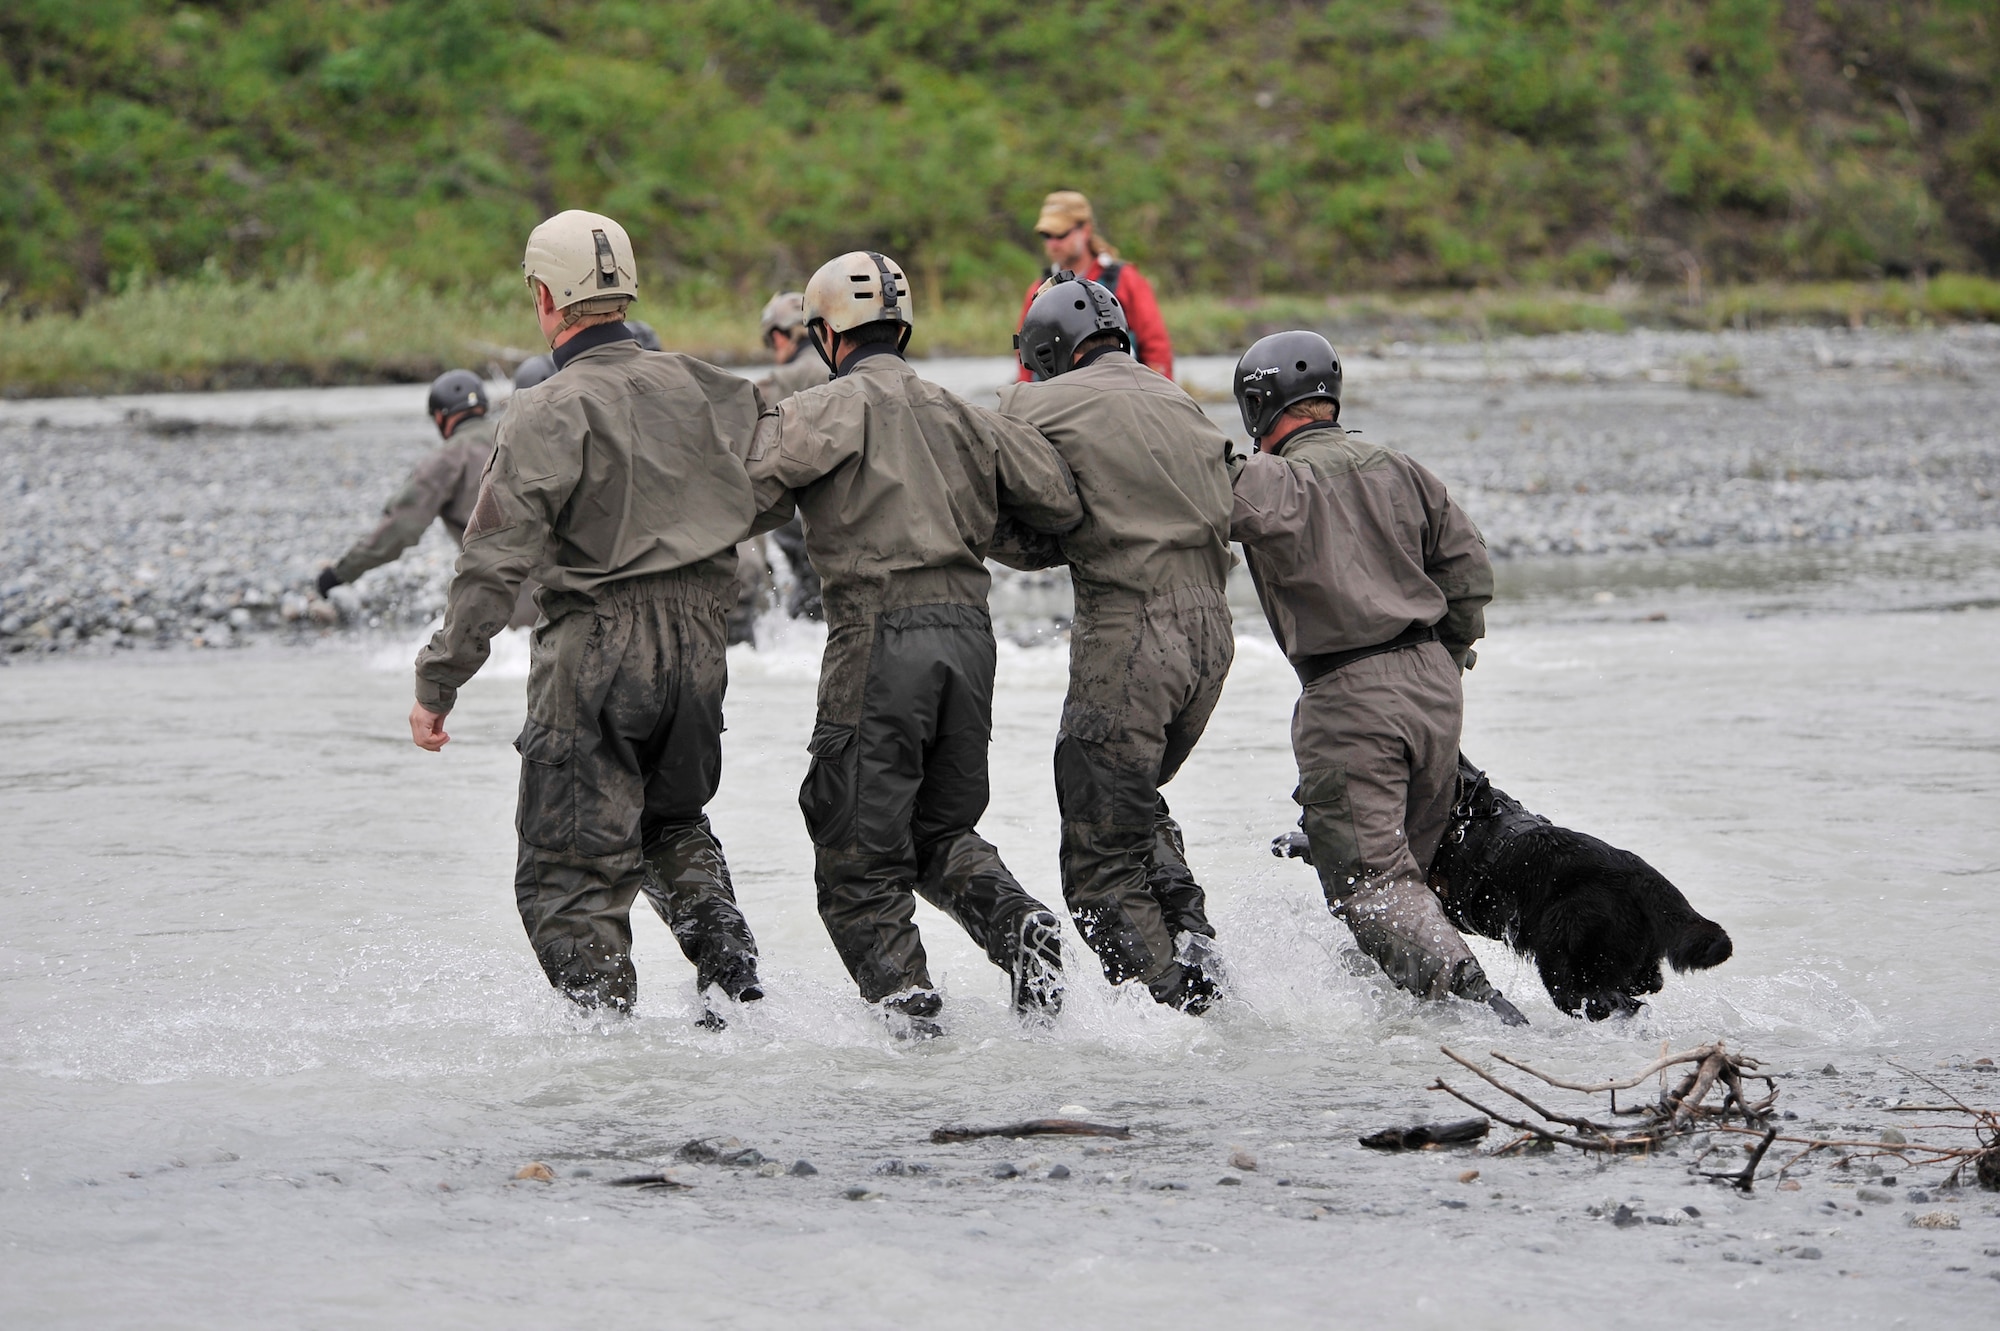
x,y
202,520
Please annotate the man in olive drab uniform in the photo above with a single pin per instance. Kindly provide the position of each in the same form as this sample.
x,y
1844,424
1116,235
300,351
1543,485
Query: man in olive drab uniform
x,y
1374,584
444,485
798,368
1152,640
900,485
620,479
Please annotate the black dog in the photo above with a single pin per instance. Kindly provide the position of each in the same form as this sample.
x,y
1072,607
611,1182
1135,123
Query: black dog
x,y
1597,920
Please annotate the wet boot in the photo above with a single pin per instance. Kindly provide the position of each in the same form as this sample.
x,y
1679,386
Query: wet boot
x,y
1036,967
912,1015
1185,988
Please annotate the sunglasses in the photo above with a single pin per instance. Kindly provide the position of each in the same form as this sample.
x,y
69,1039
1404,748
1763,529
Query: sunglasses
x,y
1059,235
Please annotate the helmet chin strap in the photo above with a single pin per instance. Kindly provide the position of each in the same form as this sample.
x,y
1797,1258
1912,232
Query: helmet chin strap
x,y
814,327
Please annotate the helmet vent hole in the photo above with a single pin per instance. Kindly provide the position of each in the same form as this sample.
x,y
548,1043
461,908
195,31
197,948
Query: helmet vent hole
x,y
1301,365
1079,305
858,277
864,295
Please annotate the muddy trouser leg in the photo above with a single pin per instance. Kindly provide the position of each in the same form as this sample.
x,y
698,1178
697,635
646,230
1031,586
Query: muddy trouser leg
x,y
959,871
592,686
687,877
1376,744
859,797
1144,677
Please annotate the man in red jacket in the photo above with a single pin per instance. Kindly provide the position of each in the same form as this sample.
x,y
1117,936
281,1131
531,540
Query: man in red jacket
x,y
1068,230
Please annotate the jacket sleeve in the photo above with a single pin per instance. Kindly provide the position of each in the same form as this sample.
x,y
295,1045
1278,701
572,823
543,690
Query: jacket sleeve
x,y
1149,330
1455,559
1019,546
405,518
774,500
1269,498
535,467
1035,484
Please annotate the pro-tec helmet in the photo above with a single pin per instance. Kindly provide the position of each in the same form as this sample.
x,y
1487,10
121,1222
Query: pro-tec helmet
x,y
1280,370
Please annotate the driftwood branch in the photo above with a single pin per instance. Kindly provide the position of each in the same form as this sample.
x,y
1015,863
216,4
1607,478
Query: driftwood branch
x,y
1034,1127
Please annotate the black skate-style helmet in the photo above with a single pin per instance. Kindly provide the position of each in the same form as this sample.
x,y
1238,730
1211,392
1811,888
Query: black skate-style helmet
x,y
532,371
1280,370
1069,311
457,390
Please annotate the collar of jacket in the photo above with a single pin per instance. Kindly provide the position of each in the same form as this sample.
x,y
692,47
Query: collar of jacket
x,y
862,353
1304,430
597,335
1098,354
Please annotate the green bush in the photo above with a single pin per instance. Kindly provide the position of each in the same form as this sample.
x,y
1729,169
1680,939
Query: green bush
x,y
1233,147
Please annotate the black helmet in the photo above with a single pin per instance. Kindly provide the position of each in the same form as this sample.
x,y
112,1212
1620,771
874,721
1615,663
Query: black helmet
x,y
458,390
643,333
1068,311
1280,370
532,371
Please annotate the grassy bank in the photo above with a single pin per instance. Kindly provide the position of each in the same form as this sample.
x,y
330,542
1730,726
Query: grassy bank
x,y
215,333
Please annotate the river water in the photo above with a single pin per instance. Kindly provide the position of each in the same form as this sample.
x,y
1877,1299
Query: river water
x,y
272,1047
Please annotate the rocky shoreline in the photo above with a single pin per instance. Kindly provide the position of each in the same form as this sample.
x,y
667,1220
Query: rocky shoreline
x,y
151,531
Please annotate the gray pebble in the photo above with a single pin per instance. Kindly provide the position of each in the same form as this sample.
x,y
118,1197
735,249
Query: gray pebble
x,y
1807,1254
1059,1171
1005,1170
802,1169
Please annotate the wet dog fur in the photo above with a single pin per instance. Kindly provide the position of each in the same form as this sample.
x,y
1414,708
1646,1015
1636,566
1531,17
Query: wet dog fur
x,y
1597,921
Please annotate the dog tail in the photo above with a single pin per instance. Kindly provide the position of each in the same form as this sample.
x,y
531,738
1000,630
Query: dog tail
x,y
1701,945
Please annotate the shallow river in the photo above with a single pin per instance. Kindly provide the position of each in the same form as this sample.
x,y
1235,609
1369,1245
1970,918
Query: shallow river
x,y
272,1047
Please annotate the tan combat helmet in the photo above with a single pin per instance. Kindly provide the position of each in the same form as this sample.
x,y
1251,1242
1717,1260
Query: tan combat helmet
x,y
783,313
585,260
860,287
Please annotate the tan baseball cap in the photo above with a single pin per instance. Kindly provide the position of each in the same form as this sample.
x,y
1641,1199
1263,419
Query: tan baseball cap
x,y
1063,211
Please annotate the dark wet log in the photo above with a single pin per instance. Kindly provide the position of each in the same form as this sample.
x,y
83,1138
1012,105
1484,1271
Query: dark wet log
x,y
1415,1138
1034,1127
654,1182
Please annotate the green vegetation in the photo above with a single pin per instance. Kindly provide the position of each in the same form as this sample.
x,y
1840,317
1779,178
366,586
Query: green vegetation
x,y
355,160
215,332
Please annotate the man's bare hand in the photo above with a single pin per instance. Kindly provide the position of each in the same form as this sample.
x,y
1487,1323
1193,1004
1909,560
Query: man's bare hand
x,y
427,728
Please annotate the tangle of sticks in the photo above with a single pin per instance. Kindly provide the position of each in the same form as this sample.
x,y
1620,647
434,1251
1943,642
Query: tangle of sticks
x,y
1685,1107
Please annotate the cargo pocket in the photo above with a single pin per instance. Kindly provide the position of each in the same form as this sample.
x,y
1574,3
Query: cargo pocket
x,y
827,796
547,813
1328,820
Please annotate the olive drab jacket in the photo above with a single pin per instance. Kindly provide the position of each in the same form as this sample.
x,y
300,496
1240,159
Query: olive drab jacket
x,y
805,370
1151,468
901,484
628,463
444,485
1350,544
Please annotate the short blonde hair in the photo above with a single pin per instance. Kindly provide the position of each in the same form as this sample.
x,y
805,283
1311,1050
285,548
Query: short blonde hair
x,y
1313,409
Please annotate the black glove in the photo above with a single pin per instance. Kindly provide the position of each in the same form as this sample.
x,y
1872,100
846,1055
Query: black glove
x,y
1509,1014
1293,846
328,580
